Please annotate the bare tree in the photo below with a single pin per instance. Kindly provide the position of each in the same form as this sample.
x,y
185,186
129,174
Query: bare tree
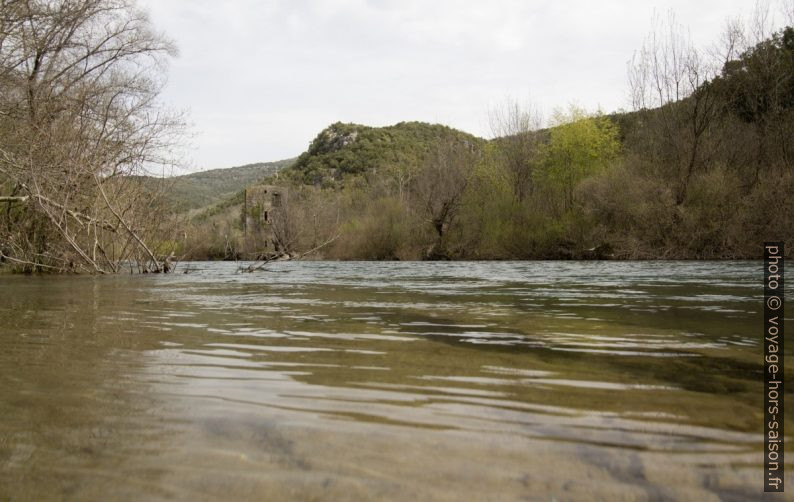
x,y
670,74
515,128
755,82
79,82
440,185
787,9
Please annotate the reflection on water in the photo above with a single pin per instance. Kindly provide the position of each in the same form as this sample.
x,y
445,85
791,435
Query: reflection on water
x,y
543,380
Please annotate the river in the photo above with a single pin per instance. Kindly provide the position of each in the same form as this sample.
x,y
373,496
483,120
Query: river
x,y
364,380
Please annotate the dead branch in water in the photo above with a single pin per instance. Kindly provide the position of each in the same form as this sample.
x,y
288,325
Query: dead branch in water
x,y
21,199
26,262
261,264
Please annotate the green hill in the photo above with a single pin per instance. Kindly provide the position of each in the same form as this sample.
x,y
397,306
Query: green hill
x,y
342,150
196,190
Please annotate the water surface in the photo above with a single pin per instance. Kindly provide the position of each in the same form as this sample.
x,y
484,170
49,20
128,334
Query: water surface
x,y
424,381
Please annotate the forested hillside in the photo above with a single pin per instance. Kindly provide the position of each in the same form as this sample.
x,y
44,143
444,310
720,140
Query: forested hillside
x,y
197,190
344,160
701,169
342,150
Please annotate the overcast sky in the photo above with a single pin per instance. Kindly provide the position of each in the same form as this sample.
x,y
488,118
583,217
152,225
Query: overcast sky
x,y
260,78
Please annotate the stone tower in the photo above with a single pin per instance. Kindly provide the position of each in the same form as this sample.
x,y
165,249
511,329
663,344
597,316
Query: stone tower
x,y
262,210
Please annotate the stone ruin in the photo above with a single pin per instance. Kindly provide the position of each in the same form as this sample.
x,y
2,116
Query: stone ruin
x,y
262,210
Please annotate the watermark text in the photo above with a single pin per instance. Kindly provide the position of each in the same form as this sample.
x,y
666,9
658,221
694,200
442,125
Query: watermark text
x,y
773,366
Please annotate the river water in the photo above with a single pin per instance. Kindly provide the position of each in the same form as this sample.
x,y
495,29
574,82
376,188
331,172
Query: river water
x,y
420,381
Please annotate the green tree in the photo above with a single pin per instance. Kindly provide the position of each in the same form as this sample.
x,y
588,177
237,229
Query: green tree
x,y
580,145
